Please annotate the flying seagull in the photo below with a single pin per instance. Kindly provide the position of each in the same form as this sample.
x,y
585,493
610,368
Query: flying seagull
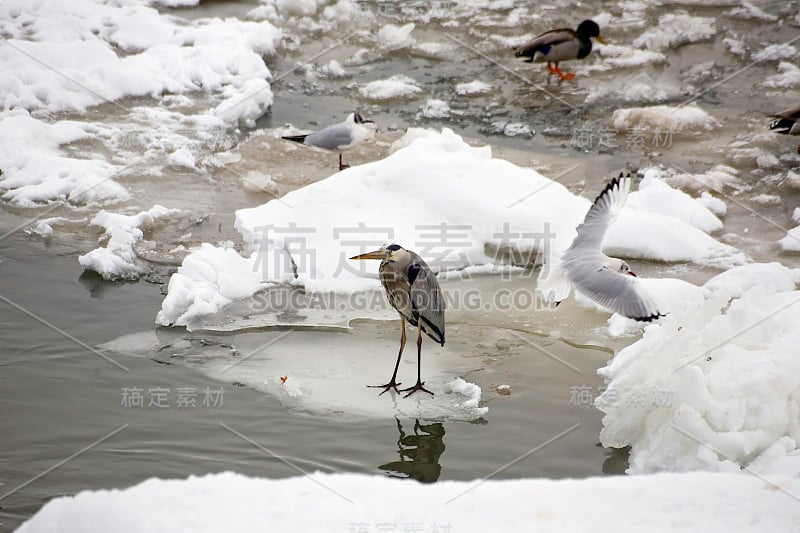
x,y
607,280
339,137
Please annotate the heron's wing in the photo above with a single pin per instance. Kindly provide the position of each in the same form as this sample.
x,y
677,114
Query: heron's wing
x,y
619,292
545,41
600,215
427,300
335,137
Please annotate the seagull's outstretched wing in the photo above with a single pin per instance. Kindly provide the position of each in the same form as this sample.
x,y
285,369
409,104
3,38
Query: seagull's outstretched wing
x,y
618,292
600,215
586,265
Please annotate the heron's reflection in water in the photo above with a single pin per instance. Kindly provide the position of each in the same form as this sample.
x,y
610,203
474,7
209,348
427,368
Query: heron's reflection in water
x,y
419,453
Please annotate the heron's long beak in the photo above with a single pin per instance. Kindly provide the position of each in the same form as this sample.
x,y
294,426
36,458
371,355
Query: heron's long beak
x,y
600,39
377,254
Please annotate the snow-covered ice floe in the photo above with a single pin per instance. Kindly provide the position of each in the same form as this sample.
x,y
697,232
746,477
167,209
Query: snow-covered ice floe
x,y
676,119
715,386
117,259
434,184
69,56
330,380
229,501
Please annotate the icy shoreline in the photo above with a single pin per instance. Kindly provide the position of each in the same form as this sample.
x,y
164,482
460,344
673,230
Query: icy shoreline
x,y
725,503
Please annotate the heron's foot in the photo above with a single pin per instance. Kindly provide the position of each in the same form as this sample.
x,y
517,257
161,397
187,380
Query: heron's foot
x,y
391,385
415,388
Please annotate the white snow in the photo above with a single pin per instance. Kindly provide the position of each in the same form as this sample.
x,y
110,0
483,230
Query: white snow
x,y
435,50
735,46
715,205
774,52
715,386
675,29
714,179
117,259
391,37
620,56
227,501
512,129
435,108
69,56
655,196
36,170
750,11
473,88
397,86
209,278
767,199
648,92
333,69
788,76
522,209
791,242
74,74
685,119
742,153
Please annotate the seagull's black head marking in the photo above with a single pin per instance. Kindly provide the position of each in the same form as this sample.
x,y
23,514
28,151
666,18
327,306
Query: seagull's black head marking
x,y
358,118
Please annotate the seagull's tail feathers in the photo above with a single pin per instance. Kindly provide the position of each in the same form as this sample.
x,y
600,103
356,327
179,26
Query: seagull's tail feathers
x,y
296,138
552,286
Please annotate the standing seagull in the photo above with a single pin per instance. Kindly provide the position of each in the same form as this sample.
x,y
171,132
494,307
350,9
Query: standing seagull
x,y
787,122
338,137
607,280
561,45
414,292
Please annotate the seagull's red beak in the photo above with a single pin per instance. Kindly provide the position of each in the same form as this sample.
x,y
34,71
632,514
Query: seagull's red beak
x,y
633,274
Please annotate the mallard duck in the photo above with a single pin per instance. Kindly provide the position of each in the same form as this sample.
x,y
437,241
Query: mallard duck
x,y
787,122
561,45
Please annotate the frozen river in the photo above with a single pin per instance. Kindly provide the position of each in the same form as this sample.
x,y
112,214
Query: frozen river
x,y
125,108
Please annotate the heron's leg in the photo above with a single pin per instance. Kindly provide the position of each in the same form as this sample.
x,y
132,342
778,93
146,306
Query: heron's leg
x,y
392,383
342,166
420,383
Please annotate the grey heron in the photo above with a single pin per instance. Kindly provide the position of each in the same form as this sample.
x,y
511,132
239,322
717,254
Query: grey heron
x,y
562,44
607,280
338,137
413,291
